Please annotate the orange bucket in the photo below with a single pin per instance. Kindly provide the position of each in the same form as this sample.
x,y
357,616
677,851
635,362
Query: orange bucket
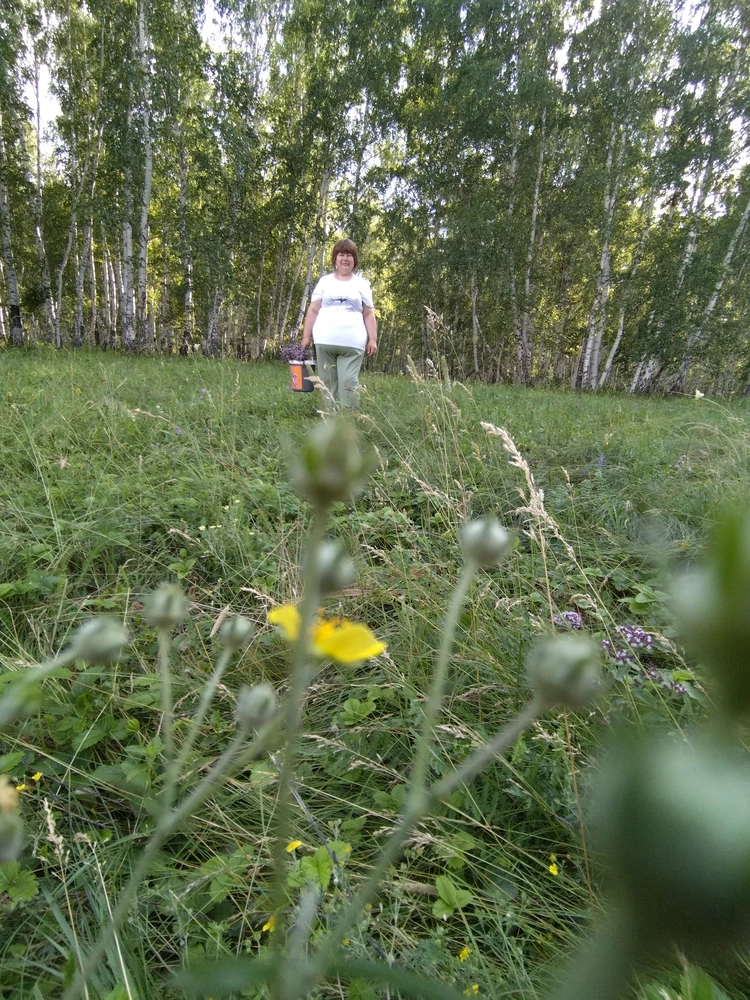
x,y
299,376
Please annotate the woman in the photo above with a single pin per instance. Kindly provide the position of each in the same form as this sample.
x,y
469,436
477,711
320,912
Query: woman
x,y
341,323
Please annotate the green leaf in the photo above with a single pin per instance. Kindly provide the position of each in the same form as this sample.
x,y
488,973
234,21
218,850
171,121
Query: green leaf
x,y
9,760
318,868
452,896
227,975
441,910
19,884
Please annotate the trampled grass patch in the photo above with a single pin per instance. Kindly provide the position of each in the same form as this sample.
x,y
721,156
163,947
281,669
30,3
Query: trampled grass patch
x,y
121,473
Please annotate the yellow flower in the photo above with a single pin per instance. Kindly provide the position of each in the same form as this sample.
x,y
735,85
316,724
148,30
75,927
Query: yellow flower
x,y
345,942
553,869
37,777
332,639
21,787
293,845
270,924
472,990
464,953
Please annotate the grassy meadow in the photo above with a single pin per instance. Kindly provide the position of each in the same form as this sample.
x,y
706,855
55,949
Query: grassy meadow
x,y
119,473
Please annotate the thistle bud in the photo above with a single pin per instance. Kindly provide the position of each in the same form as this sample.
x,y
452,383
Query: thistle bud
x,y
674,825
8,795
256,705
330,467
485,541
11,836
237,633
166,607
712,607
99,641
335,568
564,670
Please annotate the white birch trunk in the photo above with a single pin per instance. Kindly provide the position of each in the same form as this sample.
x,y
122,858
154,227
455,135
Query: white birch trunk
x,y
34,185
106,324
312,246
9,268
696,208
475,328
143,327
526,324
697,335
598,315
188,325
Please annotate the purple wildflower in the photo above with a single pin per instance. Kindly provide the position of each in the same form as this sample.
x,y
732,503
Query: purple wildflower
x,y
294,353
568,619
178,431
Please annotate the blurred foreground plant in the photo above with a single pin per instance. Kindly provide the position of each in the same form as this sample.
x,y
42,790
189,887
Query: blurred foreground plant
x,y
673,810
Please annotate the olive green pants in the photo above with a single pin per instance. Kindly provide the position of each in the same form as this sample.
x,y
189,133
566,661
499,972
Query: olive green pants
x,y
339,368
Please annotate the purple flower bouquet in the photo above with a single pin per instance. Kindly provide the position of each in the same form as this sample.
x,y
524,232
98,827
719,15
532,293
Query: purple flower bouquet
x,y
295,353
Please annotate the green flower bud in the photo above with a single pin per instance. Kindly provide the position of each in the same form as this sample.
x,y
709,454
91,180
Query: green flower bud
x,y
237,633
712,607
330,467
256,705
166,607
99,640
8,795
485,541
336,569
563,670
11,836
675,828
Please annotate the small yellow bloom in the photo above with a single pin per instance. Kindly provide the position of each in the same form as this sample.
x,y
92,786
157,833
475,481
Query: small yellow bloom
x,y
464,953
293,845
333,638
472,990
21,787
345,942
201,527
37,777
270,924
553,869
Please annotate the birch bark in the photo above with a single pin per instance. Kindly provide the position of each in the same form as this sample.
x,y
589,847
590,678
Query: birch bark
x,y
143,327
699,333
9,268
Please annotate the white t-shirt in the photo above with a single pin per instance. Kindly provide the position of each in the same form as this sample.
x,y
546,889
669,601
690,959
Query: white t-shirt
x,y
340,322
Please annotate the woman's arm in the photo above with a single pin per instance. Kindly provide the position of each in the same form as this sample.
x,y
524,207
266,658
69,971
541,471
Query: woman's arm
x,y
312,311
371,325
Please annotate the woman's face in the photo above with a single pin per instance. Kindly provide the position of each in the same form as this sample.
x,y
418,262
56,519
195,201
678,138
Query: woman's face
x,y
344,262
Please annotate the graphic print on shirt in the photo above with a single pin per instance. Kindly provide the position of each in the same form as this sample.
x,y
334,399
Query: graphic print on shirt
x,y
340,321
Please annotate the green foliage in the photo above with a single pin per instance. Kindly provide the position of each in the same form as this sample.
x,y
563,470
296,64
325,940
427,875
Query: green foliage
x,y
123,513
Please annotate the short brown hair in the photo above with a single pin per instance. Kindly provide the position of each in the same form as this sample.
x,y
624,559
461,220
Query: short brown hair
x,y
344,246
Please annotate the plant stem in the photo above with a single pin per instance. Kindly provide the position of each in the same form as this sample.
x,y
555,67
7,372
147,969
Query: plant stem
x,y
229,762
414,813
291,716
168,792
419,772
207,698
